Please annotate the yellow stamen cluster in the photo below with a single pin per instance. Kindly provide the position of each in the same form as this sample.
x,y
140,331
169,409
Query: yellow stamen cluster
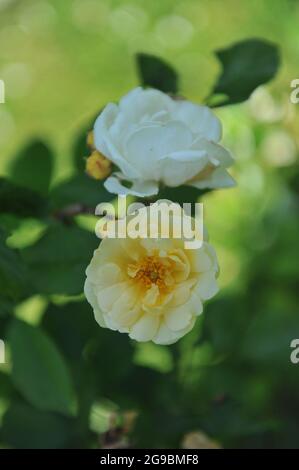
x,y
97,166
150,270
90,140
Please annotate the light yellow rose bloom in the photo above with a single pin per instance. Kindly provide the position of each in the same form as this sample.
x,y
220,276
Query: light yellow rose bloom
x,y
151,288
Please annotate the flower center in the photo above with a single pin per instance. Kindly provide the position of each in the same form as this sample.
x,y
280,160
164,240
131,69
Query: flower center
x,y
150,270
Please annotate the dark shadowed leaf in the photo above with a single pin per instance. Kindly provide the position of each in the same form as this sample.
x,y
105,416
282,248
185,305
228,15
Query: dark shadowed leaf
x,y
13,275
163,427
6,387
24,427
274,347
78,319
57,262
223,323
182,194
6,307
39,371
32,168
155,73
80,190
112,375
80,148
20,201
245,66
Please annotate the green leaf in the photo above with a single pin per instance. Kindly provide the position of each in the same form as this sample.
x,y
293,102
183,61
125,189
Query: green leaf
x,y
26,233
20,201
32,168
80,148
113,376
224,323
24,427
6,387
245,66
80,190
182,194
39,371
13,274
57,262
75,317
154,72
6,307
154,356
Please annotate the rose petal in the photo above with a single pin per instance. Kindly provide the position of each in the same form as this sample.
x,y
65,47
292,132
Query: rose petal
x,y
145,328
138,188
200,119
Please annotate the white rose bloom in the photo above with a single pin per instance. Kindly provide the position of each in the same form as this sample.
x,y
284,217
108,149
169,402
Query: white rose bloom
x,y
150,288
154,139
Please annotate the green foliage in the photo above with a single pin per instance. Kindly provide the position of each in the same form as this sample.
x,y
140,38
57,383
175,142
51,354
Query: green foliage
x,y
245,66
20,201
6,307
79,189
33,167
58,260
13,273
155,73
25,427
39,371
80,148
182,194
67,380
77,319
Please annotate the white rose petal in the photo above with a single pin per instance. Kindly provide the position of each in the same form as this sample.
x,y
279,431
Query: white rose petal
x,y
154,139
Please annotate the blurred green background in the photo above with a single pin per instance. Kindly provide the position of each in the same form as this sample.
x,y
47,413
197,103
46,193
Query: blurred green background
x,y
231,378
